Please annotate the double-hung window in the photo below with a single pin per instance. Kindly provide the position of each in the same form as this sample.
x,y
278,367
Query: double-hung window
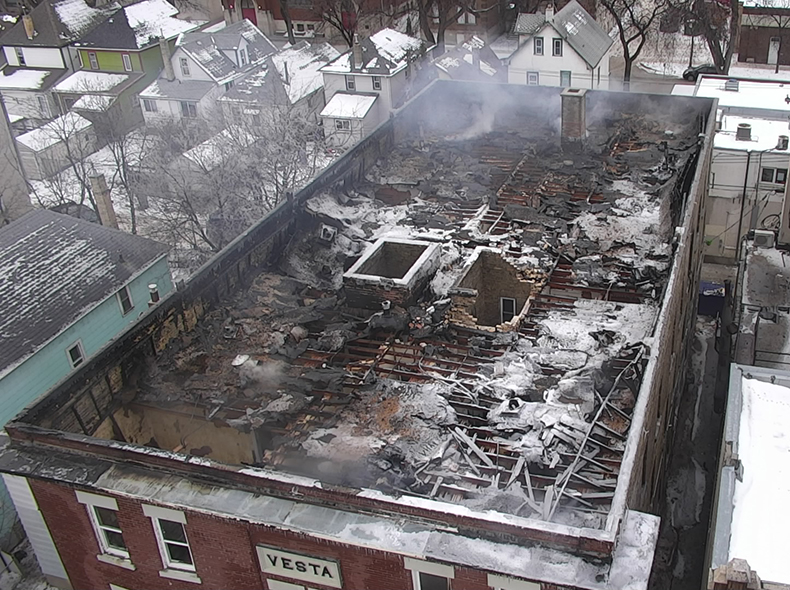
x,y
350,83
774,175
20,56
125,300
149,105
507,308
427,575
171,537
556,47
537,46
94,60
376,82
342,125
184,62
103,515
189,110
127,62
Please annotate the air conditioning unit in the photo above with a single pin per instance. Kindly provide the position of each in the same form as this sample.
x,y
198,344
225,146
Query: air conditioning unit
x,y
763,238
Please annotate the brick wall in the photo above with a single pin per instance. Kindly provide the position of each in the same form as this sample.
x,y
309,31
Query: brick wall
x,y
223,551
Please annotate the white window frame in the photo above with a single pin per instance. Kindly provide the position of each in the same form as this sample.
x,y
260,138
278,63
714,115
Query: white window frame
x,y
502,308
125,290
376,81
184,65
570,78
536,76
187,113
81,349
127,62
94,60
351,83
20,56
504,583
172,569
108,553
149,105
343,125
556,46
79,60
537,46
417,567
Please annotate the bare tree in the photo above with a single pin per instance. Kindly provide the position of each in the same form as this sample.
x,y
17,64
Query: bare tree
x,y
718,22
289,27
774,14
342,15
635,20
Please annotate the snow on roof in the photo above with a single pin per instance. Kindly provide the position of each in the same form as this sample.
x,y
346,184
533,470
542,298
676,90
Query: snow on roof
x,y
299,68
683,90
177,89
382,53
393,45
762,496
215,150
24,79
155,18
504,46
77,16
751,94
88,81
348,106
764,134
93,102
766,4
54,131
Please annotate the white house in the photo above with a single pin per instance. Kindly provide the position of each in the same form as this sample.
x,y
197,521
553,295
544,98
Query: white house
x,y
750,163
381,67
564,49
202,68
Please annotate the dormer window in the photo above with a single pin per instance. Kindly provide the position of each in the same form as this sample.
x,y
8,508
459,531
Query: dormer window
x,y
242,57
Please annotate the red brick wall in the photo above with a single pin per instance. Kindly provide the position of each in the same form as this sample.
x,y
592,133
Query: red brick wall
x,y
223,551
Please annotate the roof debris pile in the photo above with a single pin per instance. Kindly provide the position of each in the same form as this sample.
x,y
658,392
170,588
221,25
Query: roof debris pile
x,y
531,421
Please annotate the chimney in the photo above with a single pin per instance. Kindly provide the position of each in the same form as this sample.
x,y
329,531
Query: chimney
x,y
744,132
164,47
101,194
549,11
27,21
574,118
153,290
356,54
783,142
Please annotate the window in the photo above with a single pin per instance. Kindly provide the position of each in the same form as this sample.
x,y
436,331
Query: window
x,y
125,300
533,78
376,82
350,83
300,27
342,125
228,85
184,66
43,106
556,47
774,175
127,62
507,307
20,56
76,354
171,537
243,56
149,105
565,78
103,514
189,110
427,575
537,45
94,60
310,27
79,59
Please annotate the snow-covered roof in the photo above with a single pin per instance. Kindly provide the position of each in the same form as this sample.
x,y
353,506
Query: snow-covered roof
x,y
53,132
764,134
348,106
25,79
53,270
471,60
384,53
766,4
299,68
754,95
762,494
215,150
90,81
208,49
164,89
93,102
59,22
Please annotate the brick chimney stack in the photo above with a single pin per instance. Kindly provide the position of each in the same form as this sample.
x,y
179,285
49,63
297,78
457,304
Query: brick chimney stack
x,y
356,54
574,118
167,60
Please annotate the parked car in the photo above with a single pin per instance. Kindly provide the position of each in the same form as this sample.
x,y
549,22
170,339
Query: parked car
x,y
691,74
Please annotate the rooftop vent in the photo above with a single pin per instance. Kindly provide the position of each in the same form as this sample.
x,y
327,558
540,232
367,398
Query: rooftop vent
x,y
783,142
744,132
731,85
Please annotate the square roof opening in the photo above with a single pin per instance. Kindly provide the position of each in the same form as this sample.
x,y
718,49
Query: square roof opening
x,y
391,260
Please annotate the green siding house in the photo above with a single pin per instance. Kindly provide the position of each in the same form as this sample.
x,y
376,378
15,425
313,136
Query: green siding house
x,y
68,288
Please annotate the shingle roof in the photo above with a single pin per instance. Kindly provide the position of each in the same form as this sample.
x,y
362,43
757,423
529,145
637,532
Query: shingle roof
x,y
177,90
383,53
207,48
58,23
576,26
53,269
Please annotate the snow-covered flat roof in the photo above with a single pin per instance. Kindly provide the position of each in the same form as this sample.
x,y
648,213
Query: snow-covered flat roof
x,y
763,494
86,81
155,18
24,79
764,134
752,94
348,106
54,131
93,102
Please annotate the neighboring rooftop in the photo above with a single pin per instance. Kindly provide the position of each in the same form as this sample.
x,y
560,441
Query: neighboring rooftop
x,y
472,60
764,134
383,53
746,95
87,81
65,127
177,89
59,22
29,79
54,269
348,106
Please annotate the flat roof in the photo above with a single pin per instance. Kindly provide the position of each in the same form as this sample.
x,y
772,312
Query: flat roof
x,y
348,106
764,134
751,94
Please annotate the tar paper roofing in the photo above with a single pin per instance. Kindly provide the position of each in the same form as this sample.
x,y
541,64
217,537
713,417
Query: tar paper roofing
x,y
59,22
348,106
54,131
53,270
26,79
764,134
137,26
89,81
208,49
163,89
384,53
576,26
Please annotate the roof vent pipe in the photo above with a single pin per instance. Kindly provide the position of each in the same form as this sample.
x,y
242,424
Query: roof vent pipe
x,y
744,132
783,142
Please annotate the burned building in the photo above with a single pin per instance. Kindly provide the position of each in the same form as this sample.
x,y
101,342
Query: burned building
x,y
448,362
